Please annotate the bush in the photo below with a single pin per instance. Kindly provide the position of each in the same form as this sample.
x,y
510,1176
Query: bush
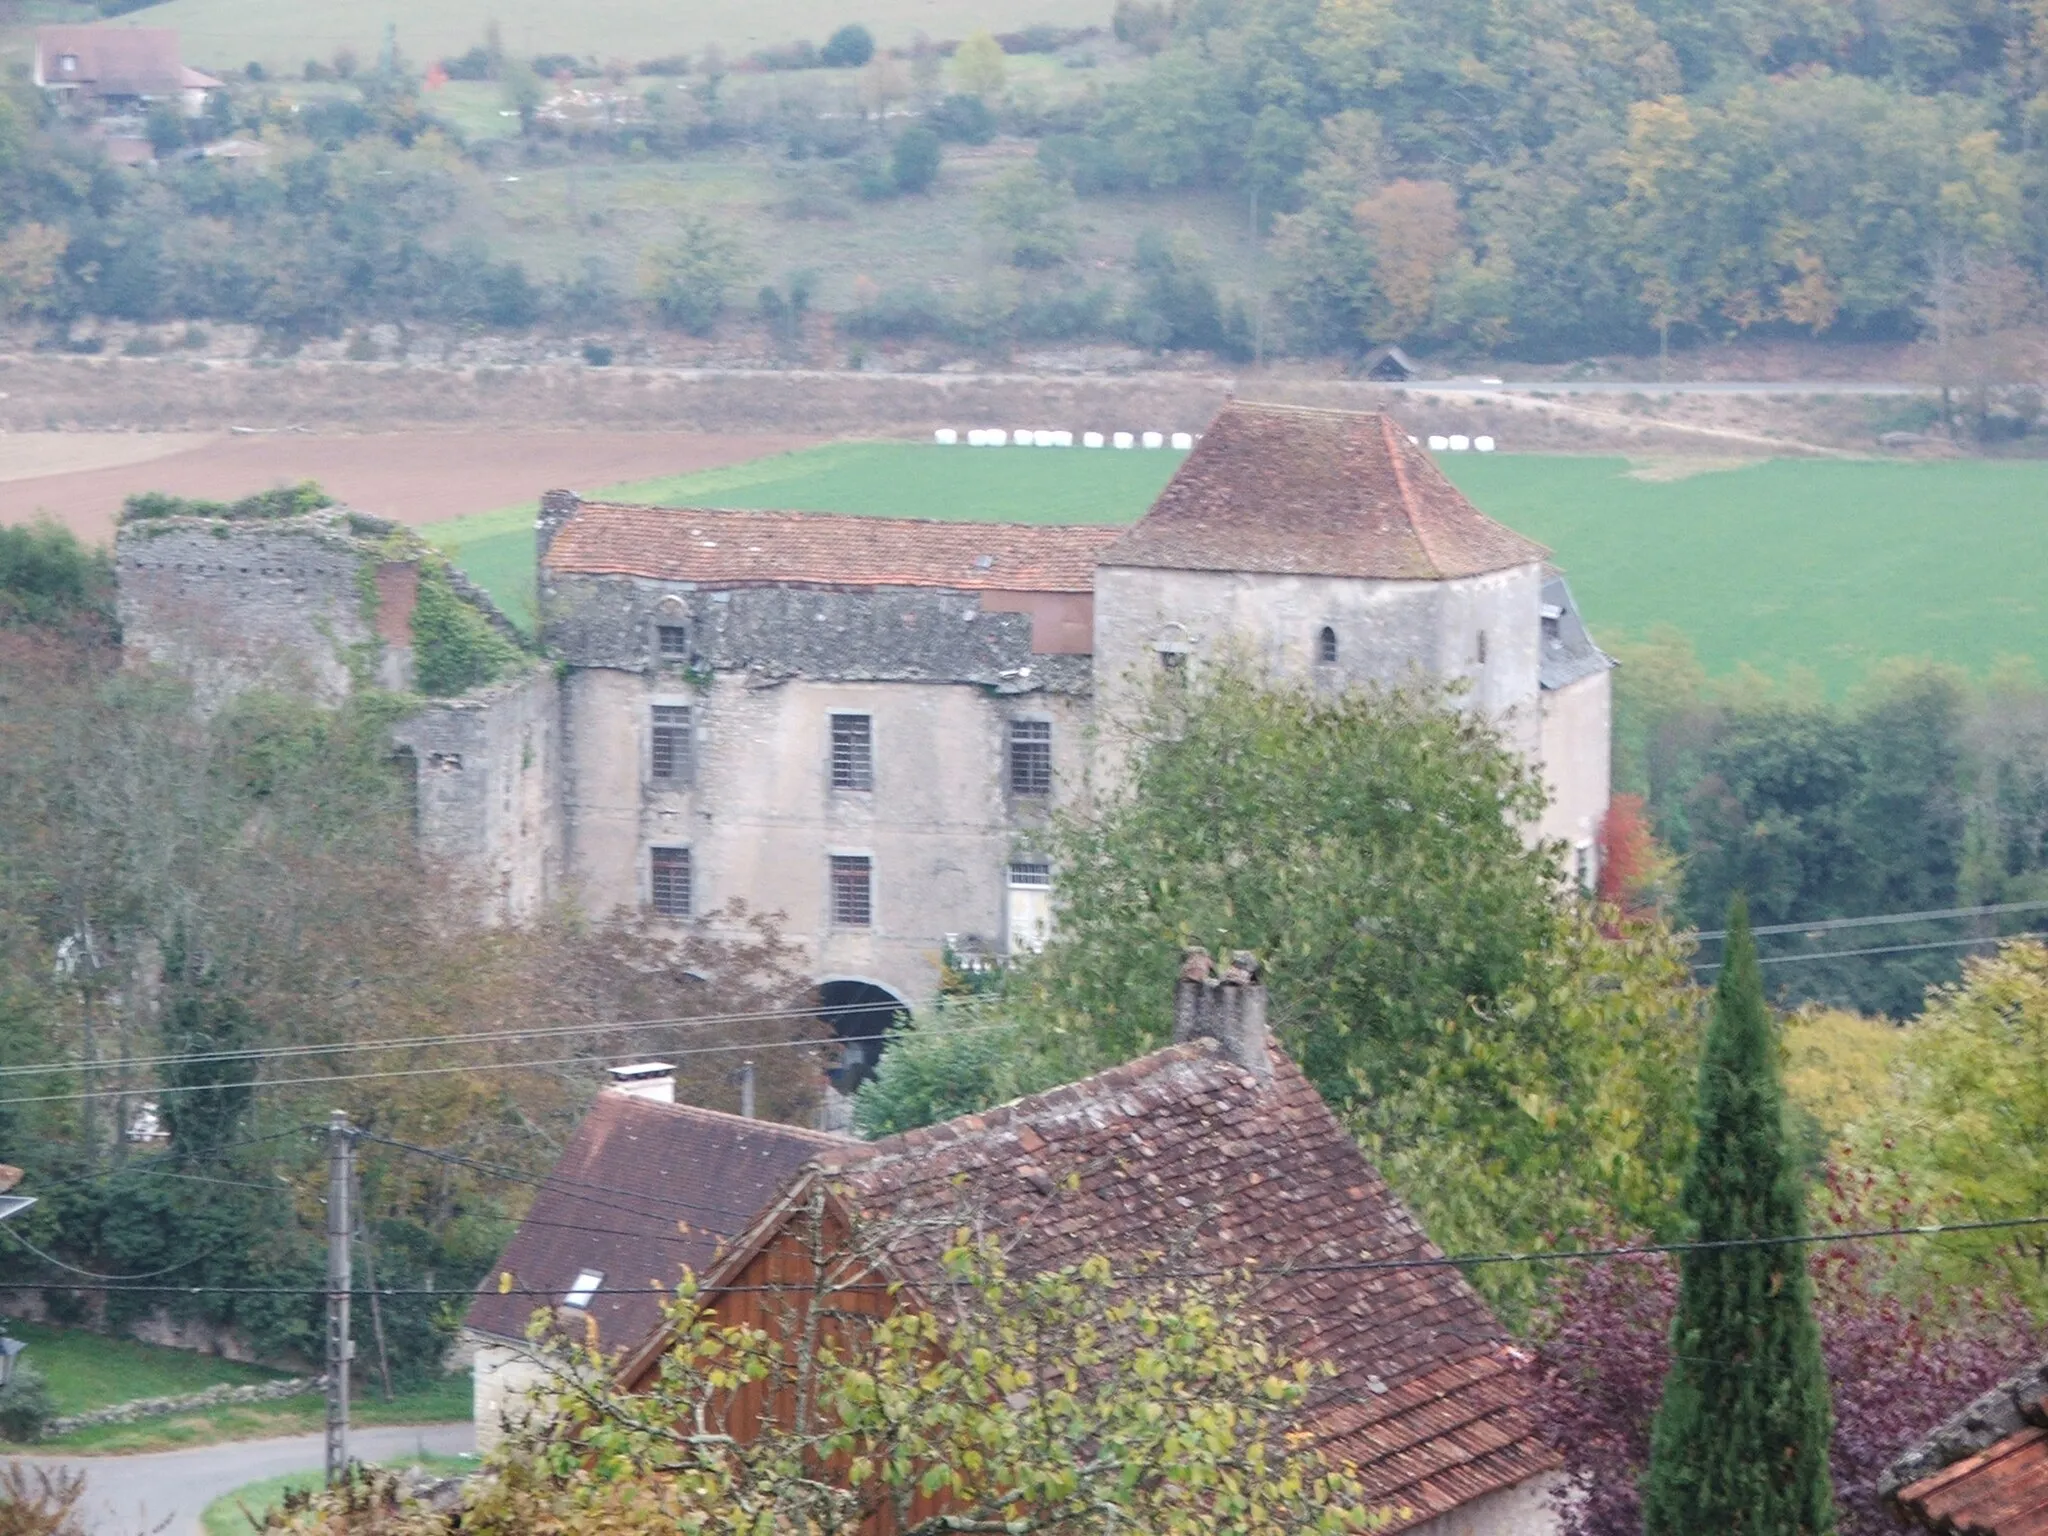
x,y
802,54
962,119
848,48
47,577
549,65
454,647
280,501
25,1406
477,64
914,161
1031,217
597,354
668,64
689,280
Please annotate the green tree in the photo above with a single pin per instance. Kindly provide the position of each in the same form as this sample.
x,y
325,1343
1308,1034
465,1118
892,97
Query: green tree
x,y
914,159
688,280
1369,846
523,93
48,578
1741,1438
1031,217
848,48
979,69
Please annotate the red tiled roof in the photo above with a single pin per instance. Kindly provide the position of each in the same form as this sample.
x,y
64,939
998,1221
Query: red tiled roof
x,y
2000,1491
1296,491
1183,1150
737,549
115,60
642,1190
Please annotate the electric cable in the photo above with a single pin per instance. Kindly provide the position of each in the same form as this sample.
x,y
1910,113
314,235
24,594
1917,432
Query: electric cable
x,y
1880,919
1881,949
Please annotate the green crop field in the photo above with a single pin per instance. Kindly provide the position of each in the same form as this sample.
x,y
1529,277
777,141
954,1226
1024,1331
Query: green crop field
x,y
1827,565
227,33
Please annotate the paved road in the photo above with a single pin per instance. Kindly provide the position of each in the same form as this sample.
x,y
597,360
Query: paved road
x,y
165,1490
1640,387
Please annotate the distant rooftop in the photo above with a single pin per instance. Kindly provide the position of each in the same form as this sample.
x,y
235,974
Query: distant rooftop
x,y
1297,491
719,548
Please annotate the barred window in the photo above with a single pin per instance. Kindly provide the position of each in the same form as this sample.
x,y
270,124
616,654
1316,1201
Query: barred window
x,y
853,904
1326,645
671,881
674,756
1030,757
853,752
672,641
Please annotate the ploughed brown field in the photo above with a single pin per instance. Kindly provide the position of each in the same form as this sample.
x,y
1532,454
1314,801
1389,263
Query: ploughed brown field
x,y
81,478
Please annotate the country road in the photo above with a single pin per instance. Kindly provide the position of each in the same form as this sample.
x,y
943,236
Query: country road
x,y
1491,386
165,1490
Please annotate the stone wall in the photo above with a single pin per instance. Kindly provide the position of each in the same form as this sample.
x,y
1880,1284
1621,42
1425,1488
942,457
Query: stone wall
x,y
1387,632
1577,748
281,605
488,788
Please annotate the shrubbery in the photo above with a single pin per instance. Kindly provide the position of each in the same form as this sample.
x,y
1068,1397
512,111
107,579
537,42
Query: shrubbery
x,y
455,648
280,501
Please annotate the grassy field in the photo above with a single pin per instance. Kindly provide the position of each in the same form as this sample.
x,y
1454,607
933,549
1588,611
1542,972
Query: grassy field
x,y
242,1513
88,1370
1826,565
227,33
444,1400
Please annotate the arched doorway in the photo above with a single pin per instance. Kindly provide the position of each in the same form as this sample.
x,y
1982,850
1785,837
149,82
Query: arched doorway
x,y
861,1013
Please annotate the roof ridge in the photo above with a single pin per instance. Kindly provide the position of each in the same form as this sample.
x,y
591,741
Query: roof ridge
x,y
813,513
1415,520
805,1132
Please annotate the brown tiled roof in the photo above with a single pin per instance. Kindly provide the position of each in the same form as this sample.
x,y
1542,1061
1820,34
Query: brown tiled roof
x,y
740,549
113,59
1295,491
1183,1150
642,1190
1984,1471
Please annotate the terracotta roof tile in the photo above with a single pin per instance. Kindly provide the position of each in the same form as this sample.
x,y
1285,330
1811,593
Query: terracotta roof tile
x,y
738,549
2002,1490
1291,490
1183,1150
641,1190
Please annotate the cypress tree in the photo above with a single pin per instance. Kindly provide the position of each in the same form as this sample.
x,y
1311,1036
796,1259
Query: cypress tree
x,y
1741,1439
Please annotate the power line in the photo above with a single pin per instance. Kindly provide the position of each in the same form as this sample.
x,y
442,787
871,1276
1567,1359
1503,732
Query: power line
x,y
1876,920
1354,1266
1881,949
475,1037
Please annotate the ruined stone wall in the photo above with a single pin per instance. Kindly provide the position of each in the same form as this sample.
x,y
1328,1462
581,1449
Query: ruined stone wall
x,y
488,788
241,605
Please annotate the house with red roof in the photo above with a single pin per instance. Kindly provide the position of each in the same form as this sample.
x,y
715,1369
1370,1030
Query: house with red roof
x,y
110,69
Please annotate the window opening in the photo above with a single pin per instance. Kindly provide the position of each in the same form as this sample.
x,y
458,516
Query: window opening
x,y
853,752
1030,757
673,756
587,1282
672,641
670,885
1482,647
1582,865
852,890
1030,905
1326,645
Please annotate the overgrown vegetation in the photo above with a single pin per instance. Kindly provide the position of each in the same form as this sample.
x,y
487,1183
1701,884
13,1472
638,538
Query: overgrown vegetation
x,y
50,581
280,501
455,647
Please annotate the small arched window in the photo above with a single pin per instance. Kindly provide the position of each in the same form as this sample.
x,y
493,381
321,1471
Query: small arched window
x,y
1326,646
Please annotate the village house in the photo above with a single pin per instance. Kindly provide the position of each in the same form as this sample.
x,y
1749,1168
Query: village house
x,y
645,1189
864,724
1216,1149
1983,1472
114,71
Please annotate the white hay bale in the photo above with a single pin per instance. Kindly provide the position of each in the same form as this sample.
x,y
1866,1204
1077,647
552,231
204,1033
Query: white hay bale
x,y
1155,439
1438,444
1063,439
1023,437
1460,442
1091,439
995,437
1483,444
946,437
1123,440
1183,441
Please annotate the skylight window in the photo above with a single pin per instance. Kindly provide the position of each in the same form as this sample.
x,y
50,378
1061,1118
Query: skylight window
x,y
587,1282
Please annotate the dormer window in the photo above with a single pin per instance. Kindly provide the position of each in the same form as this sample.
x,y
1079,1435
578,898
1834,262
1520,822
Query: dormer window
x,y
1326,646
1553,622
587,1282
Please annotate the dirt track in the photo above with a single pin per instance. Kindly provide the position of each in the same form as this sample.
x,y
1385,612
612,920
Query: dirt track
x,y
415,477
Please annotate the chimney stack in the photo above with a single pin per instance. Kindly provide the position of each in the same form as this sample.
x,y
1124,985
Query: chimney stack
x,y
651,1080
1229,1009
556,508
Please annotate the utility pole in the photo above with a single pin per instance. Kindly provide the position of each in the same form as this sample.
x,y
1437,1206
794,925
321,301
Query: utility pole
x,y
341,1154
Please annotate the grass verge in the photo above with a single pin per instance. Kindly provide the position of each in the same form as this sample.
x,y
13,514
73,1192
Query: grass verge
x,y
89,1370
445,1399
242,1512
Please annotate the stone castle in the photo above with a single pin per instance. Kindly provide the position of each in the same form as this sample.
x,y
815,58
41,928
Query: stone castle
x,y
862,723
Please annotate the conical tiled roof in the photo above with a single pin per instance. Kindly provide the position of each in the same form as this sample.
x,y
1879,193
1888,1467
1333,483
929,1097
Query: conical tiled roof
x,y
1297,491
